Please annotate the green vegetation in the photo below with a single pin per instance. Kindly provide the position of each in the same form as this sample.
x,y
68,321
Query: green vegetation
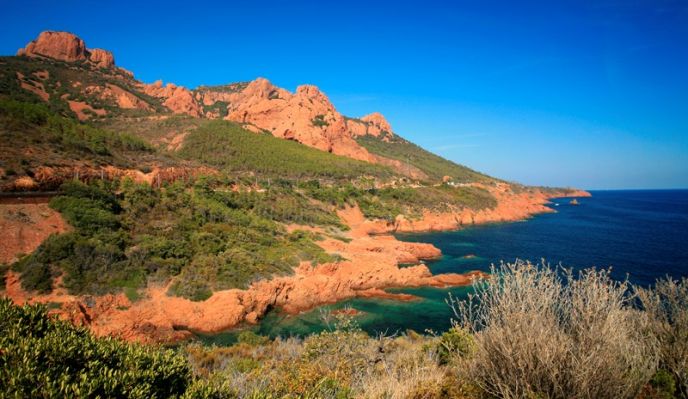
x,y
455,343
65,132
541,319
388,203
434,166
44,358
319,121
206,239
32,135
159,132
235,150
219,108
228,88
214,234
66,81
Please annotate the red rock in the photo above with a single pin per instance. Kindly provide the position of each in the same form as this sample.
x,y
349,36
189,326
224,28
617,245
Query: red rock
x,y
102,58
306,116
377,124
65,46
182,102
62,46
371,267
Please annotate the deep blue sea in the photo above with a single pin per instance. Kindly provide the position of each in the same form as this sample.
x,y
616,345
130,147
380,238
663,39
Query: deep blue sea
x,y
641,234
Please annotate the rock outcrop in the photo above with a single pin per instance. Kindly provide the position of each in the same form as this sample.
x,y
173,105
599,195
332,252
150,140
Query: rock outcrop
x,y
101,58
178,99
25,223
65,46
47,178
306,116
377,125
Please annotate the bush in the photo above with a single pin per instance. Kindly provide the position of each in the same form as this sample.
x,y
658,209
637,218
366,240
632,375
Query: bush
x,y
319,121
667,306
541,332
407,153
43,358
455,343
663,384
250,338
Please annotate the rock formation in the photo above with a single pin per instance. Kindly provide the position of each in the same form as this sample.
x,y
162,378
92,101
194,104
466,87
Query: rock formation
x,y
306,116
102,58
178,99
65,46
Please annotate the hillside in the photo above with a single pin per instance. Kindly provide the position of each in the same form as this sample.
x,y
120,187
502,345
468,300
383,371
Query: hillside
x,y
183,211
59,70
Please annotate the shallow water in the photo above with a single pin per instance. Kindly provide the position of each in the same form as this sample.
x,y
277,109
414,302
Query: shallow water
x,y
640,234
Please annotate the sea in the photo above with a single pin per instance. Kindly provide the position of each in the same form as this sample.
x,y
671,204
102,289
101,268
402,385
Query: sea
x,y
642,235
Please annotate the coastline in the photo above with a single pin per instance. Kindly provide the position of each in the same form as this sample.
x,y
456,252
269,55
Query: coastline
x,y
372,258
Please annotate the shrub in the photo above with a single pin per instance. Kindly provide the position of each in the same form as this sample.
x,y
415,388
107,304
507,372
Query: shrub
x,y
319,121
413,157
667,306
457,342
44,358
543,332
250,338
74,136
663,385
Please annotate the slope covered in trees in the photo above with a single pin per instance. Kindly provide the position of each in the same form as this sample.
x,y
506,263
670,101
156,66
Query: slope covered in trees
x,y
404,151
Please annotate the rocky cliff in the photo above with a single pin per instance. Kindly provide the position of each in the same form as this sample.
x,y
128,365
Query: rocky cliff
x,y
306,116
65,46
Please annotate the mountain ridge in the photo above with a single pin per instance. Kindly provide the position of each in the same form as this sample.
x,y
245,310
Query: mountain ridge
x,y
306,116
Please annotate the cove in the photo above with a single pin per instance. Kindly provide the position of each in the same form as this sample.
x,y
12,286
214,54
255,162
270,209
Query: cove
x,y
640,234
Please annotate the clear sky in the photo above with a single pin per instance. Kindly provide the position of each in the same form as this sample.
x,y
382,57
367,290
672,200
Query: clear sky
x,y
588,94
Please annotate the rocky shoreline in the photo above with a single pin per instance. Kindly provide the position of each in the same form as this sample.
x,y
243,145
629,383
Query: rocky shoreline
x,y
372,257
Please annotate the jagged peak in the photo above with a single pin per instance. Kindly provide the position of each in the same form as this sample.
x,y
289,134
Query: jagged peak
x,y
378,120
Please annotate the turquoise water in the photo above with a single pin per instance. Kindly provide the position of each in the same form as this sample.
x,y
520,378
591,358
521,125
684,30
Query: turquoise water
x,y
640,234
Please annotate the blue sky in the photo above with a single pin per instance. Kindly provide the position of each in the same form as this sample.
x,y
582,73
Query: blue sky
x,y
588,94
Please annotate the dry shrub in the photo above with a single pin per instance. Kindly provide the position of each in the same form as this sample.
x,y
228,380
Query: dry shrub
x,y
341,363
543,332
667,305
390,367
406,368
